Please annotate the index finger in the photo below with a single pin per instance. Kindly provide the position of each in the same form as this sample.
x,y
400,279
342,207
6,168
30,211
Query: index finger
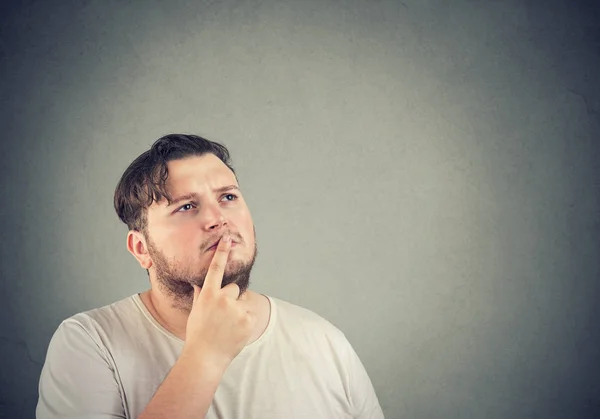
x,y
216,269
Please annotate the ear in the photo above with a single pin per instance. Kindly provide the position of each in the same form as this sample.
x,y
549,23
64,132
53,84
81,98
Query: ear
x,y
137,246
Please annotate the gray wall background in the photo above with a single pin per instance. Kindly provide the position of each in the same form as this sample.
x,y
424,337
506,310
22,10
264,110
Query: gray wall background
x,y
424,174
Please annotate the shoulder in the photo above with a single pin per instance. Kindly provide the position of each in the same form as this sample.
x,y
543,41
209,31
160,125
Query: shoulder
x,y
99,323
299,320
120,311
286,308
80,373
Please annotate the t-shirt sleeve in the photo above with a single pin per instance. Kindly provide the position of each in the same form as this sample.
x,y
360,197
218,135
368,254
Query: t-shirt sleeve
x,y
77,379
362,394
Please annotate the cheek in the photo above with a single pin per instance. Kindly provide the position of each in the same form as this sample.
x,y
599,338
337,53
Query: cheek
x,y
181,242
245,224
249,232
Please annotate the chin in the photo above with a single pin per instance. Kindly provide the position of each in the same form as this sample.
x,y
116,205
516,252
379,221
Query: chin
x,y
234,265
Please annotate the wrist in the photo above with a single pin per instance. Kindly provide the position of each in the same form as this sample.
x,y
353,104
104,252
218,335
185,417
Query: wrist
x,y
199,359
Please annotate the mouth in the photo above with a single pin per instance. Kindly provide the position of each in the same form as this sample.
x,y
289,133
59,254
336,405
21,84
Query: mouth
x,y
215,244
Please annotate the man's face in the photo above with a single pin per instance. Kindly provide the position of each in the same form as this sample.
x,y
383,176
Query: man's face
x,y
181,237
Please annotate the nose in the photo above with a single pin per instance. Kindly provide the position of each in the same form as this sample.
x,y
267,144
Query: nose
x,y
213,218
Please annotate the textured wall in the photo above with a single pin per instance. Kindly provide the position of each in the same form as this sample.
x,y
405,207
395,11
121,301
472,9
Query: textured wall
x,y
424,174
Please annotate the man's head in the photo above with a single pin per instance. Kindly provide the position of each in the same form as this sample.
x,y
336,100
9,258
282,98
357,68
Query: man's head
x,y
178,199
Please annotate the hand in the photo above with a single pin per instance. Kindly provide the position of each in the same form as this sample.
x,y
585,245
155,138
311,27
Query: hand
x,y
218,326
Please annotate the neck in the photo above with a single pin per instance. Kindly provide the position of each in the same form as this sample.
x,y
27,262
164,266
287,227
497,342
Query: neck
x,y
166,311
170,315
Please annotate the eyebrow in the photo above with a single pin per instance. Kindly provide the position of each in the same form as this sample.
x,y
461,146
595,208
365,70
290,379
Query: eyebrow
x,y
193,195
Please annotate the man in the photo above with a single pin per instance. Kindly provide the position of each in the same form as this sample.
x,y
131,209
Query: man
x,y
198,343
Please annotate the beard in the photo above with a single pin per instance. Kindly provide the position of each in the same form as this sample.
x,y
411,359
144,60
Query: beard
x,y
177,282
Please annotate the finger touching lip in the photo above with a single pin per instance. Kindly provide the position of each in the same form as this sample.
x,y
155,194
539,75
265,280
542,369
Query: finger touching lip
x,y
214,246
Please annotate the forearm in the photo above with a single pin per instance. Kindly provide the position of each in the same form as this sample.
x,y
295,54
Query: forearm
x,y
187,391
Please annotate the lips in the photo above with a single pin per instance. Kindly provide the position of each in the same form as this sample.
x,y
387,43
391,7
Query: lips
x,y
215,244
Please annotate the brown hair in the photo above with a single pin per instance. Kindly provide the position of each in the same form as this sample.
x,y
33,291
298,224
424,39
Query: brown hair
x,y
143,182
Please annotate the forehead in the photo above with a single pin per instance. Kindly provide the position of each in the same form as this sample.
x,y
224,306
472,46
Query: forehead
x,y
197,174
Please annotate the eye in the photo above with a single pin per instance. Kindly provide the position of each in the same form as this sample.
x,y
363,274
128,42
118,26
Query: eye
x,y
186,208
230,197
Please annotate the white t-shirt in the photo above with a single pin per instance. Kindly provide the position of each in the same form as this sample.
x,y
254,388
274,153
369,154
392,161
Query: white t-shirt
x,y
109,362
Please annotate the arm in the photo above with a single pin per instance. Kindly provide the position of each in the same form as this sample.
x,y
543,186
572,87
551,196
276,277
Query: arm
x,y
187,391
362,394
77,379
